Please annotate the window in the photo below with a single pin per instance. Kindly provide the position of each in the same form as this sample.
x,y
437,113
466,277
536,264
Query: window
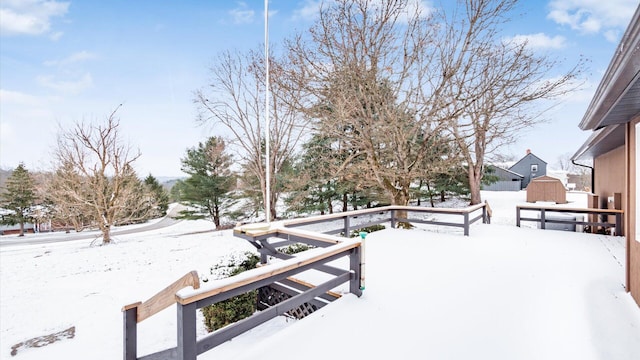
x,y
534,168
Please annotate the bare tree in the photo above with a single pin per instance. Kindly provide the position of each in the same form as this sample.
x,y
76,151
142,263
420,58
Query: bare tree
x,y
235,99
390,81
96,176
60,190
500,87
369,75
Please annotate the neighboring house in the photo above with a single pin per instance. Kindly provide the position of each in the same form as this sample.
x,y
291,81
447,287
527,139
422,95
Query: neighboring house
x,y
517,176
507,180
530,166
614,146
15,229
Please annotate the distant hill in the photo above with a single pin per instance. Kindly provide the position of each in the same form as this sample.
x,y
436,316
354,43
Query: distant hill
x,y
167,181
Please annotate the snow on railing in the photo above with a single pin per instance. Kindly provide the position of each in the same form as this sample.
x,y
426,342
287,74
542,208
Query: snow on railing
x,y
187,294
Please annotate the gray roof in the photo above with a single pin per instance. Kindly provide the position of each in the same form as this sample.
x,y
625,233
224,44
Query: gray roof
x,y
617,98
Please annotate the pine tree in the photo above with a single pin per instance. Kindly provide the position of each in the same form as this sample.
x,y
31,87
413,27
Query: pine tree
x,y
208,187
18,198
160,195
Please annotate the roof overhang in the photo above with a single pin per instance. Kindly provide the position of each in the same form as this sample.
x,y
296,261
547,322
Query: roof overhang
x,y
601,142
617,98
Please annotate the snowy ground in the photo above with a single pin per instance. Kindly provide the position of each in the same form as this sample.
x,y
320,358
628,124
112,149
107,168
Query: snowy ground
x,y
501,293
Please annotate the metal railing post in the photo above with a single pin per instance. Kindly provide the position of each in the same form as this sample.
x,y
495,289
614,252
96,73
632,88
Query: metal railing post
x,y
346,226
354,265
187,332
619,224
130,316
466,224
542,219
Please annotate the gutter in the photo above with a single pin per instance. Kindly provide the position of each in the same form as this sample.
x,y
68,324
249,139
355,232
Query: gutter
x,y
593,175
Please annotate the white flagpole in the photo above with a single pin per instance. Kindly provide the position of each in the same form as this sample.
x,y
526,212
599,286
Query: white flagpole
x,y
267,204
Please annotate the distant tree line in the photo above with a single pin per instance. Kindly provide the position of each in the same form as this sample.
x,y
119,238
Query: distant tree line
x,y
27,198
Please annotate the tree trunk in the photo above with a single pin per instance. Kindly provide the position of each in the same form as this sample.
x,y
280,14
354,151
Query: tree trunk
x,y
274,212
475,178
430,195
345,202
216,216
402,198
106,235
21,229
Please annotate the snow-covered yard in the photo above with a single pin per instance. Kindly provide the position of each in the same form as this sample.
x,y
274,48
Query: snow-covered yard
x,y
501,293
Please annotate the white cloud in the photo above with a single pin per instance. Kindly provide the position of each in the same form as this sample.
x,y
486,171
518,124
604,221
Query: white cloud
x,y
419,6
74,58
242,14
16,97
308,11
73,86
612,35
30,17
593,16
540,41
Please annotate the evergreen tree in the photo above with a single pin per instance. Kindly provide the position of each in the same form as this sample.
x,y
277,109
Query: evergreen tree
x,y
314,189
176,191
18,198
159,194
207,189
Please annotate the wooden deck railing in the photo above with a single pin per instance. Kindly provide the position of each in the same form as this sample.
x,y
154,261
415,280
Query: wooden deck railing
x,y
545,210
392,214
188,300
268,238
139,311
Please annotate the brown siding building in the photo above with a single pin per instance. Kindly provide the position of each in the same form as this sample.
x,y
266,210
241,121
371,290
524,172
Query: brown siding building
x,y
613,116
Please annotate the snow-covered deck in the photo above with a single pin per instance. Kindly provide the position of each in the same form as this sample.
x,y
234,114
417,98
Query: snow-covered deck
x,y
502,293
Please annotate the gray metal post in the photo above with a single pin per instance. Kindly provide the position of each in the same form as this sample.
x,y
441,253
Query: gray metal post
x,y
517,216
542,219
393,219
619,225
187,332
354,265
346,227
466,224
130,333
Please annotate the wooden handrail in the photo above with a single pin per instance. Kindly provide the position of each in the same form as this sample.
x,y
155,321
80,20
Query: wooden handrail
x,y
374,210
254,275
569,209
164,298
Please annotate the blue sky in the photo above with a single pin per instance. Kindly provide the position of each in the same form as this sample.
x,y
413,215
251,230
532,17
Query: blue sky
x,y
63,62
